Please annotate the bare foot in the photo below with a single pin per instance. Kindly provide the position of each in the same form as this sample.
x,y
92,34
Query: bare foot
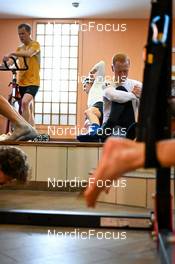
x,y
21,133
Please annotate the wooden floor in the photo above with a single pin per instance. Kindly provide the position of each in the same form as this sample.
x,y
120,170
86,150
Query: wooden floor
x,y
46,245
31,245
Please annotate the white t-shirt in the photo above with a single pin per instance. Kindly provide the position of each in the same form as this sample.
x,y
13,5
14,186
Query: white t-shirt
x,y
96,91
110,94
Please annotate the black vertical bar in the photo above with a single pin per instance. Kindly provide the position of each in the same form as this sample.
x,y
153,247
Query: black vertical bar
x,y
163,199
154,114
163,175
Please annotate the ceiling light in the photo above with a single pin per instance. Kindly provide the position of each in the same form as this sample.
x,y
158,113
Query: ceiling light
x,y
75,4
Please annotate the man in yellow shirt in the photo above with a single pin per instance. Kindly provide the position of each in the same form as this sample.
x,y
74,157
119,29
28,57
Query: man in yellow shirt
x,y
29,80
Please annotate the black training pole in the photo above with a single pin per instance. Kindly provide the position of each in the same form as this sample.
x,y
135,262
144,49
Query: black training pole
x,y
154,115
163,192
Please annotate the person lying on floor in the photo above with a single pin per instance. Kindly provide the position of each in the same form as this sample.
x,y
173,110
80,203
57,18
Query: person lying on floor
x,y
13,165
120,103
123,155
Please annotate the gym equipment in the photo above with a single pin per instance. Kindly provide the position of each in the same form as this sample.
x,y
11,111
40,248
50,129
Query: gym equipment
x,y
154,116
14,96
76,219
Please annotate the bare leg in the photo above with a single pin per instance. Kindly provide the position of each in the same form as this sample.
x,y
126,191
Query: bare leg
x,y
22,128
93,115
32,119
124,155
119,156
27,102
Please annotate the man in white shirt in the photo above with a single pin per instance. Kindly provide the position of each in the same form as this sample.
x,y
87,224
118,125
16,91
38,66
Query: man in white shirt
x,y
120,101
120,67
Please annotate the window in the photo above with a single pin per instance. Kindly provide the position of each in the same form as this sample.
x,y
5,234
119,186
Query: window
x,y
55,102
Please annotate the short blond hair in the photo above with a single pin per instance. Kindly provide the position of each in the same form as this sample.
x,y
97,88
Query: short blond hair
x,y
120,57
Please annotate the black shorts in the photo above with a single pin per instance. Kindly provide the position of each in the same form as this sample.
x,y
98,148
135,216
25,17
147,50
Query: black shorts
x,y
31,89
99,105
